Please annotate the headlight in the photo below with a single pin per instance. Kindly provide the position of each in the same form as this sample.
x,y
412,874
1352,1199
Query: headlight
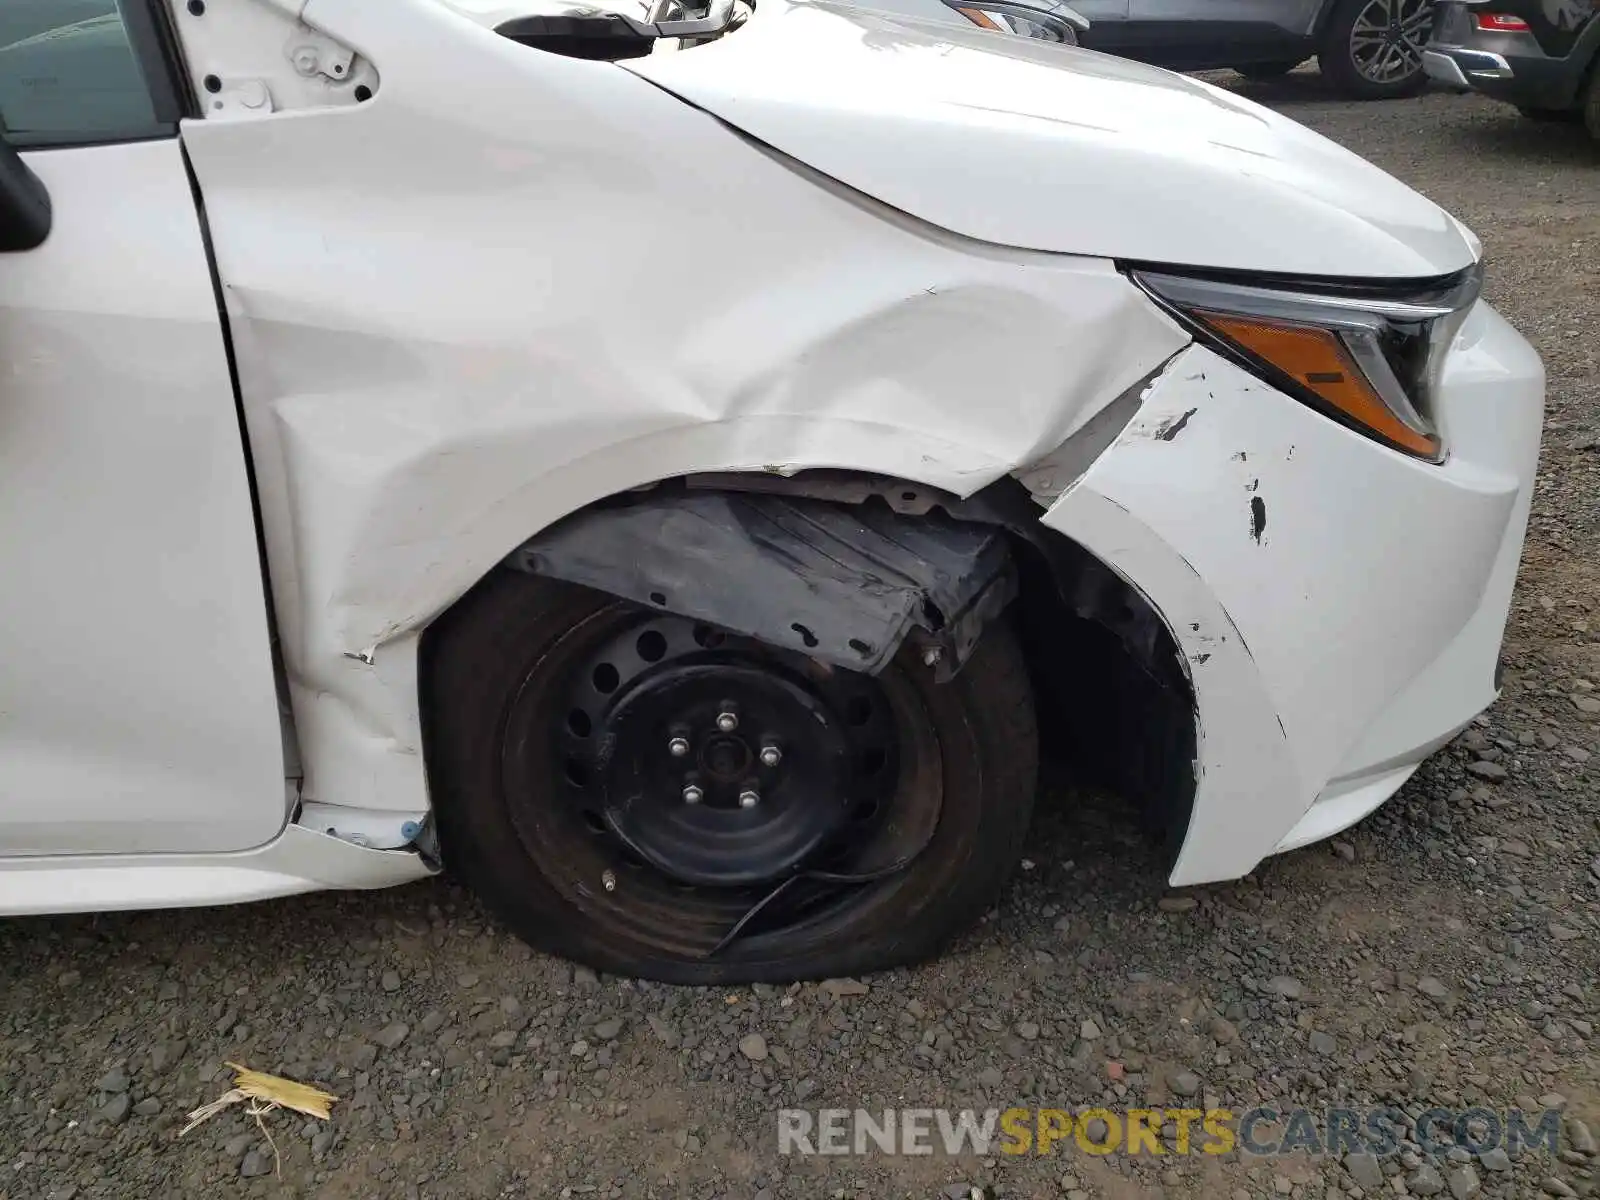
x,y
1366,355
1022,20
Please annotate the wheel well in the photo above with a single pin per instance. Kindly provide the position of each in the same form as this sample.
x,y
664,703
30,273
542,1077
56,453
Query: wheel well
x,y
1110,683
1109,680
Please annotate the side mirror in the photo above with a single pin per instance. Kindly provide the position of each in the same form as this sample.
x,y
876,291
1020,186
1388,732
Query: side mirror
x,y
24,203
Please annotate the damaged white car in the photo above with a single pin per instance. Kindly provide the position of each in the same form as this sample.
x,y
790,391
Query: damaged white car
x,y
679,485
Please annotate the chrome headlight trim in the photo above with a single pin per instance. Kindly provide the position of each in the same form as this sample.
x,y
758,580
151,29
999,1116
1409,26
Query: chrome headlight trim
x,y
1397,335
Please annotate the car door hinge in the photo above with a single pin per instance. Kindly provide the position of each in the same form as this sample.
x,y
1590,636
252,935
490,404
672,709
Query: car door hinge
x,y
313,53
253,58
245,98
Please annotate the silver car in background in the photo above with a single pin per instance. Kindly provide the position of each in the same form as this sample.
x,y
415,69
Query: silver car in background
x,y
1368,49
620,29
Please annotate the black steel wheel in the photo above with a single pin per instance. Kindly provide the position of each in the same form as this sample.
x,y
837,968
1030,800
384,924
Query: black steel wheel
x,y
661,798
1372,49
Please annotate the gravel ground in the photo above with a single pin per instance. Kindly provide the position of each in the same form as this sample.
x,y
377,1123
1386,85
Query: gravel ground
x,y
1446,951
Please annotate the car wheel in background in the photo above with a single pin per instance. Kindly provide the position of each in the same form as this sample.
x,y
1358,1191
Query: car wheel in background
x,y
1372,49
1591,102
1274,70
657,797
1556,115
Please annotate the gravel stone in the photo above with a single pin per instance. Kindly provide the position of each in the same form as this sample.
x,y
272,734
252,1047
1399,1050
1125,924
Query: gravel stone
x,y
666,1033
1425,1181
844,987
1462,1181
754,1047
167,1054
1496,1160
1184,1083
392,1036
114,1080
1365,1170
1285,986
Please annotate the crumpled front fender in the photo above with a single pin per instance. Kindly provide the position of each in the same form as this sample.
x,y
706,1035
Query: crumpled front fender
x,y
1314,580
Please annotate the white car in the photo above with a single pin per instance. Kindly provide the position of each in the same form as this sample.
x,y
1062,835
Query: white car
x,y
682,492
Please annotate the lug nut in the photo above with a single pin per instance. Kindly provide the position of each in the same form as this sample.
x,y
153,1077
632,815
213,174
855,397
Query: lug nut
x,y
678,747
608,881
692,795
749,798
727,721
771,756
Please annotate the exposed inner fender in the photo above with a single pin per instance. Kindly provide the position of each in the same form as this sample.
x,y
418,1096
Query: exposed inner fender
x,y
846,585
1106,667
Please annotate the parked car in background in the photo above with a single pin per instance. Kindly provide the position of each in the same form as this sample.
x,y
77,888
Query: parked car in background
x,y
1541,55
1369,49
617,29
1042,20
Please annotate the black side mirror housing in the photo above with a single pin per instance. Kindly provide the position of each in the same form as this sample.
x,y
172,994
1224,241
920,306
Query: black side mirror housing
x,y
24,203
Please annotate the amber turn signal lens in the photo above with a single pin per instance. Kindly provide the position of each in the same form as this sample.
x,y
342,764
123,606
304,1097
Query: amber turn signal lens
x,y
1317,360
979,17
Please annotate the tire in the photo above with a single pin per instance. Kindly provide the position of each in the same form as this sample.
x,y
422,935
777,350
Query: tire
x,y
497,673
1558,116
1264,71
1337,55
1591,102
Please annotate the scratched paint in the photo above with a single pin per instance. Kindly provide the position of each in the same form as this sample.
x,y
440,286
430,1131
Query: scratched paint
x,y
1171,429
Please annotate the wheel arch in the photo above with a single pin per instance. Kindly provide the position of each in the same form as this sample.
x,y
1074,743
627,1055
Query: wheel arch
x,y
1109,679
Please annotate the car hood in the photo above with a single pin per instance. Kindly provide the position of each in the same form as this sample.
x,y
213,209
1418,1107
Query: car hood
x,y
1052,148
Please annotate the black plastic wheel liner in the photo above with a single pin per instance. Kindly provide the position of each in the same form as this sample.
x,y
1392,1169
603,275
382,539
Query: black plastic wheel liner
x,y
846,585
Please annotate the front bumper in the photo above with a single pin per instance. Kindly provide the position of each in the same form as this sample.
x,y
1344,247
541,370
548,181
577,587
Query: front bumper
x,y
1340,605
